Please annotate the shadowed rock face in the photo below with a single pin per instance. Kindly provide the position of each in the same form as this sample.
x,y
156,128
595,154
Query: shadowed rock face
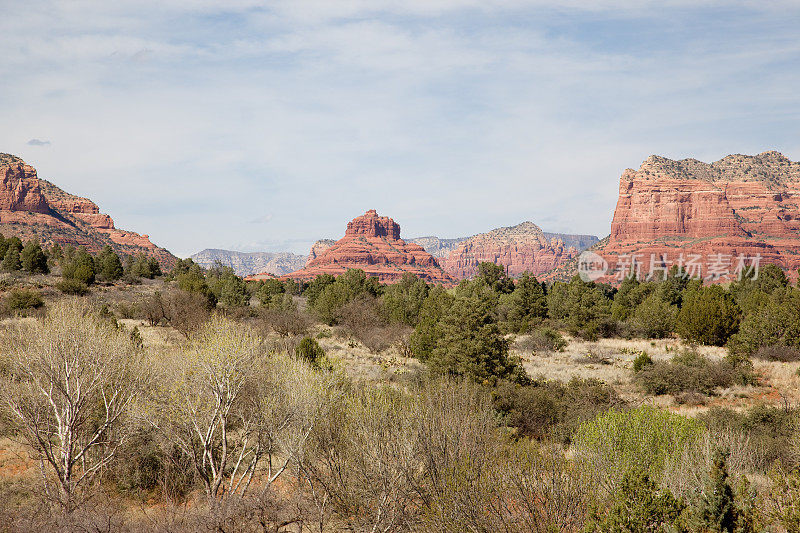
x,y
520,248
372,243
738,205
30,206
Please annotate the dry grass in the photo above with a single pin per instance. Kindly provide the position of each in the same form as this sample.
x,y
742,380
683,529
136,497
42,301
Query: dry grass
x,y
352,356
611,361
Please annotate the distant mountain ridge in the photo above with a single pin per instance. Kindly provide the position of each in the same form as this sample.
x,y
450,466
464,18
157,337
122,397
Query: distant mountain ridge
x,y
249,263
439,247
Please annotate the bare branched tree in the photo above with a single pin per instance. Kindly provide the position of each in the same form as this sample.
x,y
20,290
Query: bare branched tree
x,y
70,382
235,410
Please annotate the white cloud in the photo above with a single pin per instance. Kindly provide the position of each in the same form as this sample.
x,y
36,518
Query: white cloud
x,y
187,120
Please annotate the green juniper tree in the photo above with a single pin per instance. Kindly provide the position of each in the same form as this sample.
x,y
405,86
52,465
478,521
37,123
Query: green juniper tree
x,y
33,258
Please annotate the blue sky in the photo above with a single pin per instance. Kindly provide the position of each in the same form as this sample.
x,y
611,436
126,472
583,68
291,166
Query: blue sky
x,y
266,125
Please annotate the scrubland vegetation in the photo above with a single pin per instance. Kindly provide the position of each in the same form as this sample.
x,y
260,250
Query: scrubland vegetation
x,y
137,400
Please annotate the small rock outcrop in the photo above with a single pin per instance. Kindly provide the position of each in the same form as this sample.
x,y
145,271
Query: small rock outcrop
x,y
372,243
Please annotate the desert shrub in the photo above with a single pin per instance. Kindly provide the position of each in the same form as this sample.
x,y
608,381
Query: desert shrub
x,y
653,318
709,315
33,258
352,285
152,309
551,408
784,499
285,321
690,372
641,362
185,311
228,288
72,286
784,354
618,441
312,353
362,319
639,505
775,321
542,340
23,299
769,432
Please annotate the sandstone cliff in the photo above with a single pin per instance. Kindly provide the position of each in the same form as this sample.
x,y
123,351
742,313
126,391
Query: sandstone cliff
x,y
372,243
30,206
739,206
520,248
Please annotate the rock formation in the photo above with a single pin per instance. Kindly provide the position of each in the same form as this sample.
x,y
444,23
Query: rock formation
x,y
318,248
520,248
373,244
738,207
442,247
249,263
30,206
438,247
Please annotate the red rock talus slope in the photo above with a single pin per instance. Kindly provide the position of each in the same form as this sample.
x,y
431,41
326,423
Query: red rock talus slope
x,y
373,244
739,206
30,206
520,248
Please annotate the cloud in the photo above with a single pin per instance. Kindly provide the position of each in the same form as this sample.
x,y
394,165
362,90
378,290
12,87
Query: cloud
x,y
264,219
38,142
451,116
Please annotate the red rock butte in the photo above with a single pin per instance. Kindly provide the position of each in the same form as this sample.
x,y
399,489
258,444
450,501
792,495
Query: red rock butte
x,y
520,248
33,207
738,206
372,243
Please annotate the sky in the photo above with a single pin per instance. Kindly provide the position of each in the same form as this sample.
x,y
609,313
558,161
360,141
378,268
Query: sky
x,y
266,125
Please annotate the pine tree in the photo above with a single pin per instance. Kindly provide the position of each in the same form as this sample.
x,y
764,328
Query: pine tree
x,y
469,342
11,261
109,266
718,512
79,268
639,507
526,304
34,259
